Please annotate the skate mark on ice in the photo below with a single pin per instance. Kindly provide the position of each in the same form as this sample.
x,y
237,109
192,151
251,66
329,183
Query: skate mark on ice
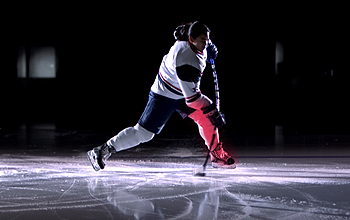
x,y
247,209
67,190
186,212
92,186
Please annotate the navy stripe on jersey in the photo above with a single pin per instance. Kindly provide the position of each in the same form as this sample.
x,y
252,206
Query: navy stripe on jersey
x,y
188,73
194,97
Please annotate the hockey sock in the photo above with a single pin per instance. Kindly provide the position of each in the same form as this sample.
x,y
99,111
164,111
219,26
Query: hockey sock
x,y
130,137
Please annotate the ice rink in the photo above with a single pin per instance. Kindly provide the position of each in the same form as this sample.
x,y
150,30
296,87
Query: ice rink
x,y
73,76
46,175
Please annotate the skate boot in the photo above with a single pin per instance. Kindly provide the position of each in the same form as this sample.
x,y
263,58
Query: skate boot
x,y
221,159
99,155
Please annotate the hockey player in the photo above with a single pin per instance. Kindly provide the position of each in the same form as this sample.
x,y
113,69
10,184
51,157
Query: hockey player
x,y
176,88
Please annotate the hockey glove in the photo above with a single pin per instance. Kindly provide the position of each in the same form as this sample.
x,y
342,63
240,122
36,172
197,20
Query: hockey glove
x,y
212,51
216,118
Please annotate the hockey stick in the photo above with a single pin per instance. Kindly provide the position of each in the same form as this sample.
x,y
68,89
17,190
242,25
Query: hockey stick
x,y
215,76
200,171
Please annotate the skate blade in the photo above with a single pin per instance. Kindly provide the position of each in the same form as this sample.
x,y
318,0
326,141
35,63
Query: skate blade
x,y
92,157
223,166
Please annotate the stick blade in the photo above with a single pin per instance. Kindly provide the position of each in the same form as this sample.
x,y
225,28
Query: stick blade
x,y
198,171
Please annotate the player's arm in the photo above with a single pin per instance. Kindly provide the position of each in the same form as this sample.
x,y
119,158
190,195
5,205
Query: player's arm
x,y
189,79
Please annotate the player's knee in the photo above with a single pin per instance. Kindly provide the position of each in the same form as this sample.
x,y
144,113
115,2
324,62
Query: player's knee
x,y
142,134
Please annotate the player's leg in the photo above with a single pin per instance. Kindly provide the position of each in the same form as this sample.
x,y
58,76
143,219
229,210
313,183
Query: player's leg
x,y
130,137
157,112
125,139
219,157
205,127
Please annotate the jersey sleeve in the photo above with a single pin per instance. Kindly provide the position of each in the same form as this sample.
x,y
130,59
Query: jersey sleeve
x,y
189,80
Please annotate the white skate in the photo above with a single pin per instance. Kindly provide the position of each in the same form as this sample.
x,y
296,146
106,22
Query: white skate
x,y
221,159
99,155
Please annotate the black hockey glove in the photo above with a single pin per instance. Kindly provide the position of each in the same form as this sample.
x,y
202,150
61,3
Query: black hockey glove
x,y
215,117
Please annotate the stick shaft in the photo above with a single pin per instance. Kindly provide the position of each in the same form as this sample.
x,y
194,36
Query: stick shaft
x,y
210,149
217,102
216,83
217,99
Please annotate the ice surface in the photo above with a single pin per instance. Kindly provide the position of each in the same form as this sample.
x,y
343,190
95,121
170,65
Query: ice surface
x,y
66,187
44,174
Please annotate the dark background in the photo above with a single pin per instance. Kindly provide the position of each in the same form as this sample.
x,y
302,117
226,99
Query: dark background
x,y
108,57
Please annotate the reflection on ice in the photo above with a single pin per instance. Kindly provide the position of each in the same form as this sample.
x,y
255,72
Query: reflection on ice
x,y
208,208
130,204
268,188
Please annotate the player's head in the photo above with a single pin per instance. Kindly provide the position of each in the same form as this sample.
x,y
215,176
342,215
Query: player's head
x,y
199,35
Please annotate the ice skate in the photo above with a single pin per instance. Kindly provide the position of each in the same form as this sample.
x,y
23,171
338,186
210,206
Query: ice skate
x,y
221,159
99,155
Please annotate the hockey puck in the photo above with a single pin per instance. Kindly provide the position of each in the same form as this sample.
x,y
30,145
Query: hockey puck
x,y
199,174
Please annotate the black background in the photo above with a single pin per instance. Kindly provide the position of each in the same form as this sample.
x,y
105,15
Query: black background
x,y
108,57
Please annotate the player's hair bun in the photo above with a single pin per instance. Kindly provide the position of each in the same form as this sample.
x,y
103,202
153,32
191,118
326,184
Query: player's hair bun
x,y
181,32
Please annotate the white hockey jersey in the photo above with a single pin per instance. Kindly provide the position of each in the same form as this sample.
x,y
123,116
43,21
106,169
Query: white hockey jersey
x,y
180,72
